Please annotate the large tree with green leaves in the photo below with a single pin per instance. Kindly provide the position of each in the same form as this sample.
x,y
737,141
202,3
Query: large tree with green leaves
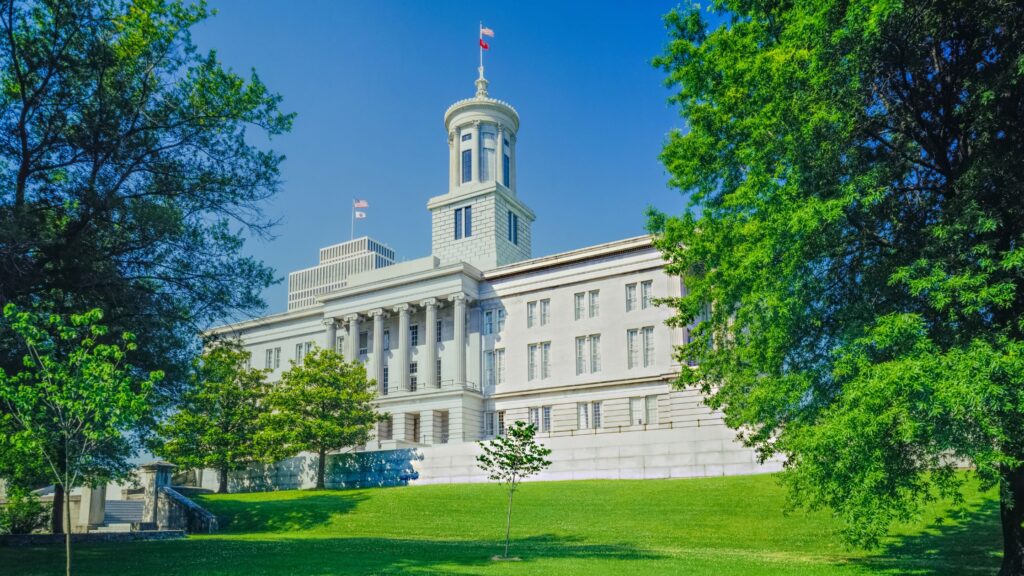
x,y
73,400
853,244
217,422
321,405
129,172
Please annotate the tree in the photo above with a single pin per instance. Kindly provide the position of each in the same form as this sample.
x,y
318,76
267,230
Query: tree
x,y
852,245
321,405
133,165
74,400
511,458
217,422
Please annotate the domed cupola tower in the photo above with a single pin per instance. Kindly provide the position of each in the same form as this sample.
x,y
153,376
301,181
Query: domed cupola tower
x,y
480,220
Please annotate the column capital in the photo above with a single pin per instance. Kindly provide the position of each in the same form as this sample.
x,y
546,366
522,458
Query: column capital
x,y
460,297
378,312
428,302
401,308
330,322
352,318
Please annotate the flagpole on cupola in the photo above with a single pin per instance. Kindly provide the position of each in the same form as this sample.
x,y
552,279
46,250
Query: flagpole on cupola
x,y
481,83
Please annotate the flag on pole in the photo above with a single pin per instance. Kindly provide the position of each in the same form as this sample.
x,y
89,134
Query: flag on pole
x,y
360,204
485,31
360,215
484,45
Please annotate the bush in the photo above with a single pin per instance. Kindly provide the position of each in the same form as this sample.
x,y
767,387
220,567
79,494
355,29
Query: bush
x,y
23,513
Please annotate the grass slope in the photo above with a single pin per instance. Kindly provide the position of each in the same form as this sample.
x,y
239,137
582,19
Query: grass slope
x,y
708,526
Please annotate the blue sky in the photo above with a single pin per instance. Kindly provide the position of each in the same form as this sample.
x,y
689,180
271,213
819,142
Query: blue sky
x,y
370,82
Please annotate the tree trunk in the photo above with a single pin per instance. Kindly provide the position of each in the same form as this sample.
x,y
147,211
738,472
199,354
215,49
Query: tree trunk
x,y
508,521
67,532
222,480
1011,512
321,468
57,513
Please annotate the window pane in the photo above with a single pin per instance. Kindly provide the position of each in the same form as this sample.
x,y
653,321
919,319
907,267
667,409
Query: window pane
x,y
545,425
582,416
630,297
597,414
499,365
501,320
545,360
636,411
631,350
458,223
652,409
545,311
594,303
649,346
645,294
467,165
595,353
468,210
505,171
581,365
578,306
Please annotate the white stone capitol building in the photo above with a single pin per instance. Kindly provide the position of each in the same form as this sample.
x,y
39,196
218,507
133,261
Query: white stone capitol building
x,y
480,333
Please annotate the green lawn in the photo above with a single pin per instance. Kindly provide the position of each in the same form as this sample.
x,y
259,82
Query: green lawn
x,y
705,526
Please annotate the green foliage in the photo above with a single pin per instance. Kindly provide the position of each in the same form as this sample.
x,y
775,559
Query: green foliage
x,y
130,174
511,458
320,405
22,513
851,242
217,422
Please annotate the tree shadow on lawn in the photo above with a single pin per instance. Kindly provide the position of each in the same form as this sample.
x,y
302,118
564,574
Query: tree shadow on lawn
x,y
314,556
303,512
968,543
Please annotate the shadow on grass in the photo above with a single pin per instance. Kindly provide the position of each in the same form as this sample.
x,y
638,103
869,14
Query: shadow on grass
x,y
302,512
968,543
311,556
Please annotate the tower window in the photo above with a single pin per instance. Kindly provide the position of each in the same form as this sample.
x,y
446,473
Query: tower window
x,y
467,137
513,227
463,222
505,169
467,165
488,143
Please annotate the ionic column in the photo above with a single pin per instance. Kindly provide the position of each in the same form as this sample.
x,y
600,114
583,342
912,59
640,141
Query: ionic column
x,y
453,161
379,354
332,333
403,346
430,306
499,169
477,148
352,355
460,337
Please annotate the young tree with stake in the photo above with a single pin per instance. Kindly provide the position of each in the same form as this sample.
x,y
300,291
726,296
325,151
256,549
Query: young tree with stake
x,y
511,458
74,400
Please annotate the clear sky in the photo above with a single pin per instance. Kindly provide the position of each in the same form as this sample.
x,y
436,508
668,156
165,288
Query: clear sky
x,y
370,81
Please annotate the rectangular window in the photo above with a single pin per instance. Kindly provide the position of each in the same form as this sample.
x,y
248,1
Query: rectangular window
x,y
630,297
595,303
581,355
414,335
651,404
577,309
595,353
468,217
277,357
499,365
364,343
458,223
501,423
437,372
513,227
637,415
545,419
438,330
531,362
489,368
531,313
413,368
385,429
534,417
645,293
384,386
387,339
489,322
632,352
488,423
545,359
501,319
505,169
545,311
298,353
270,359
596,410
467,137
467,165
582,416
648,346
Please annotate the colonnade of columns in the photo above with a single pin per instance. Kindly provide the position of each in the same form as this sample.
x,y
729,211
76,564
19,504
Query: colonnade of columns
x,y
399,374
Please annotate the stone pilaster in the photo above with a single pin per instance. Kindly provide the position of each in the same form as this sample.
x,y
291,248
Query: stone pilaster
x,y
402,374
379,353
460,337
430,307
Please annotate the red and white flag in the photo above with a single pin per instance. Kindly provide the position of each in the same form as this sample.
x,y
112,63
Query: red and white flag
x,y
485,31
360,204
360,215
484,45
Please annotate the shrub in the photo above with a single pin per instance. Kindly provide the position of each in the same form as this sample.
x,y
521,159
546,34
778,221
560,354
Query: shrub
x,y
23,513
